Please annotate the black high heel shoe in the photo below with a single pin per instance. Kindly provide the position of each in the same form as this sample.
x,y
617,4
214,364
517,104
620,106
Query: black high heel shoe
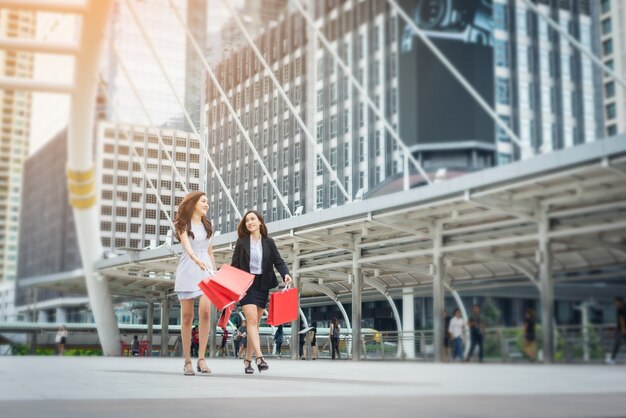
x,y
261,365
248,369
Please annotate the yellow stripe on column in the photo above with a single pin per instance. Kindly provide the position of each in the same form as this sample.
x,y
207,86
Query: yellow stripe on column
x,y
82,188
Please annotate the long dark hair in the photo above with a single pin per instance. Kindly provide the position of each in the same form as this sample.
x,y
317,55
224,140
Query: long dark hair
x,y
335,323
243,232
182,222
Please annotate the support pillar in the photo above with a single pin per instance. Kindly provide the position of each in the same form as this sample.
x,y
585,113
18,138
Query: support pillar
x,y
165,321
438,271
408,322
150,324
546,288
357,289
213,332
297,283
61,315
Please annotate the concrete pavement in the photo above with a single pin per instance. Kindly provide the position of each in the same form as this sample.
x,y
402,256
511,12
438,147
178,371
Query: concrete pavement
x,y
105,387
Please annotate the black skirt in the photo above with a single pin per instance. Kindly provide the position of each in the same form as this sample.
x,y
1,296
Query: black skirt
x,y
256,296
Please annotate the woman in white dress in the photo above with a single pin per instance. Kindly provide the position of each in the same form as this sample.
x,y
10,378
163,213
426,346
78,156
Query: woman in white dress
x,y
194,231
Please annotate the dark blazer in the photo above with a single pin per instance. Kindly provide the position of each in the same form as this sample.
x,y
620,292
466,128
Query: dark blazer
x,y
271,259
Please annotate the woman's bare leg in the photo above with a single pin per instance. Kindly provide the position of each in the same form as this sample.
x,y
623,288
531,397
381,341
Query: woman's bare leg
x,y
204,314
251,312
186,318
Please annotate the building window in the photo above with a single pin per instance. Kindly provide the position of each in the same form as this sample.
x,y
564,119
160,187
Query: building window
x,y
502,86
610,111
319,197
296,182
320,131
320,100
611,130
333,93
346,154
607,47
361,115
333,126
500,16
297,152
333,194
319,166
333,158
502,135
606,6
609,90
361,148
502,54
606,26
378,174
361,179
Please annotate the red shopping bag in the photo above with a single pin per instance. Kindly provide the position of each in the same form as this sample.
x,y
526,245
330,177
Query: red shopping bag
x,y
225,316
232,282
283,307
228,286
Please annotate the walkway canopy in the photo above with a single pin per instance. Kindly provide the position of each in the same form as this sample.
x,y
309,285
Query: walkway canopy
x,y
560,216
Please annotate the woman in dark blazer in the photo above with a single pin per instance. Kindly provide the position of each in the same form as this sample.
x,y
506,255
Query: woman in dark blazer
x,y
256,253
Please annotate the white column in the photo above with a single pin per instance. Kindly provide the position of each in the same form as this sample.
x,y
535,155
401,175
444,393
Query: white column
x,y
165,321
150,323
357,289
61,315
42,316
438,294
408,322
81,172
297,283
546,289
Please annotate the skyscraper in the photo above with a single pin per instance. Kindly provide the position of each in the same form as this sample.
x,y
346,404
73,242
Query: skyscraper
x,y
16,110
534,80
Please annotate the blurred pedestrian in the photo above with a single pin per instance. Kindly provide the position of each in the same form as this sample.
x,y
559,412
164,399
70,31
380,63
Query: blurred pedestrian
x,y
222,350
457,329
135,347
530,343
620,328
446,335
311,339
335,333
61,340
302,341
279,337
242,333
195,341
477,332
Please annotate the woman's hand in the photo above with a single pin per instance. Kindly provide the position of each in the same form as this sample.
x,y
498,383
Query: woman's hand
x,y
287,279
200,264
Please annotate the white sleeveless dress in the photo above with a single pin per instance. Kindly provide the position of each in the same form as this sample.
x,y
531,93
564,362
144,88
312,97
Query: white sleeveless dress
x,y
188,274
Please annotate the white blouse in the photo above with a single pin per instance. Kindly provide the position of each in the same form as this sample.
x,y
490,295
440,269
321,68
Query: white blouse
x,y
256,256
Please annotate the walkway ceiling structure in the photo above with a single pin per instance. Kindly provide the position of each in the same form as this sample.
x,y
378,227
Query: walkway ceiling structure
x,y
488,223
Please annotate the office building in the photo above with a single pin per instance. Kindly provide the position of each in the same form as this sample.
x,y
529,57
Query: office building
x,y
536,82
16,111
611,15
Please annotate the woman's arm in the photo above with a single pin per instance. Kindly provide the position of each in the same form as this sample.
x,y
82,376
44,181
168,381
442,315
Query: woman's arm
x,y
236,255
184,240
211,257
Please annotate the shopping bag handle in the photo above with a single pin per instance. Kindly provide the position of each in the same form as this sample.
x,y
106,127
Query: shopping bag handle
x,y
287,286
